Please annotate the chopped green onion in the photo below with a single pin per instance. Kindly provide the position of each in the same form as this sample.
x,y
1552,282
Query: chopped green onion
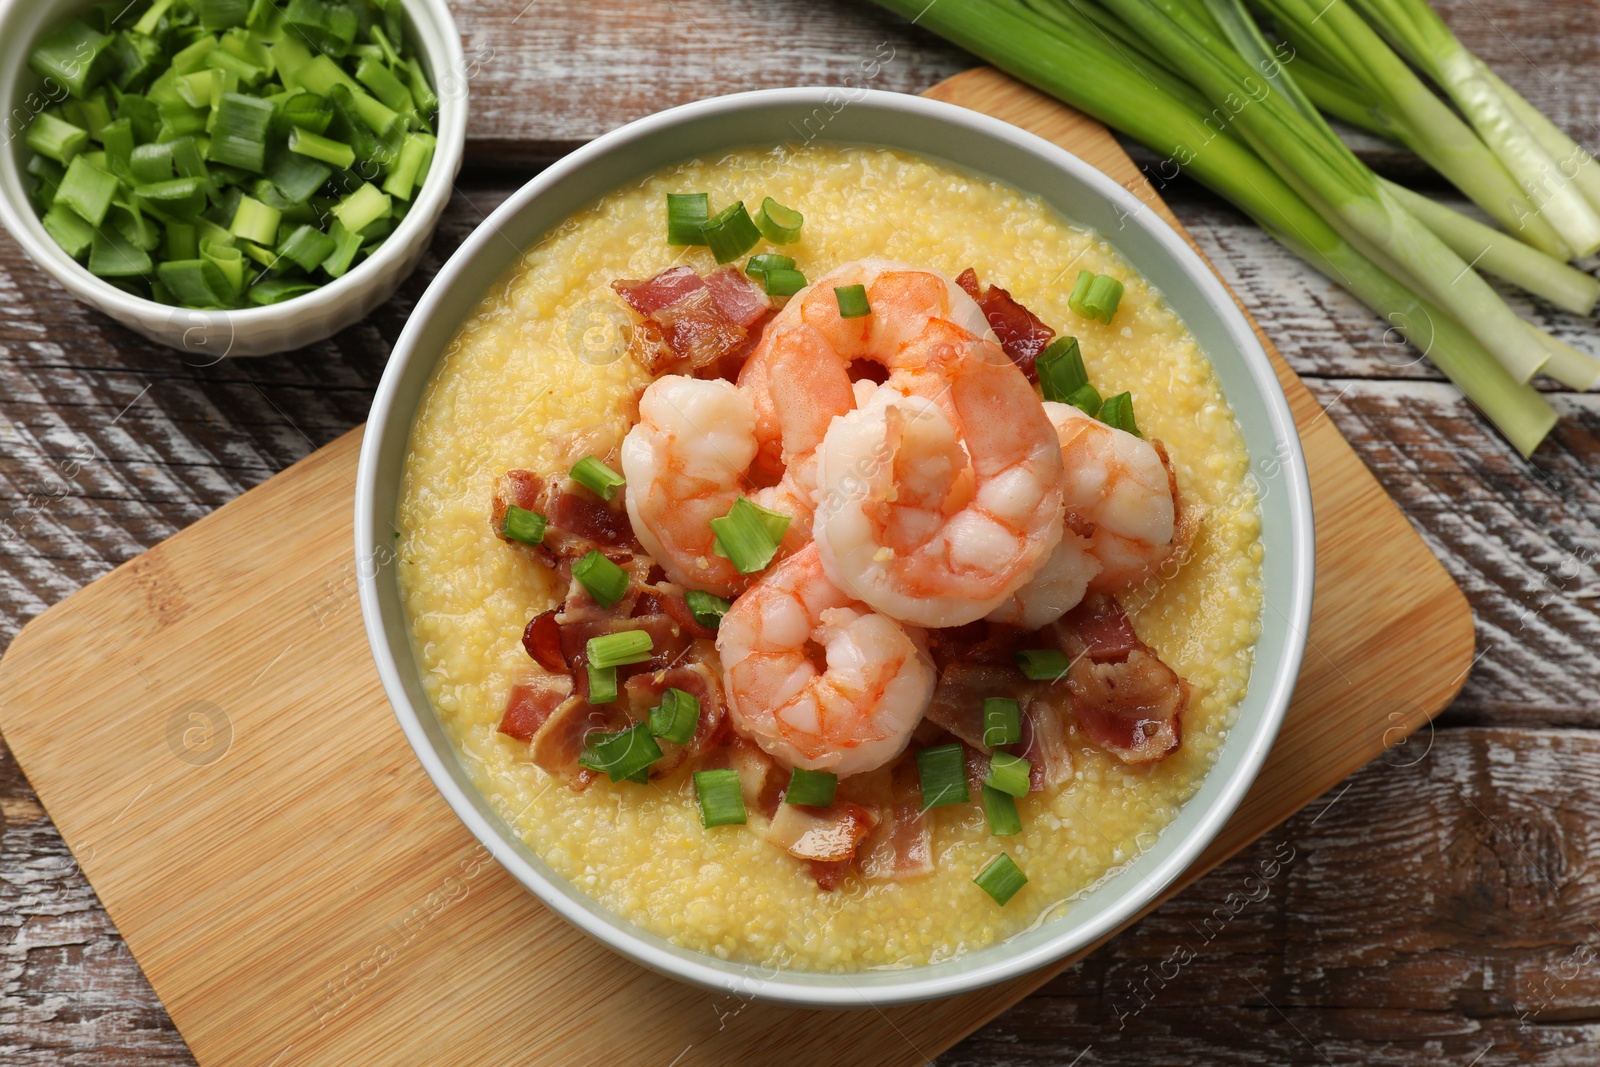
x,y
598,478
1001,811
1061,370
730,232
113,256
406,174
708,608
602,684
625,755
814,789
767,261
182,241
277,290
296,177
179,198
721,798
363,207
196,283
1086,400
239,137
619,649
519,524
87,190
852,301
603,580
222,14
1002,721
72,55
1118,411
56,138
677,716
942,774
382,83
749,535
255,221
1043,664
1008,773
1095,296
778,224
783,282
304,111
346,244
1001,879
150,163
69,230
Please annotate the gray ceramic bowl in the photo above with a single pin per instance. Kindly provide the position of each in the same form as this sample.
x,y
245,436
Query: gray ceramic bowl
x,y
968,140
213,335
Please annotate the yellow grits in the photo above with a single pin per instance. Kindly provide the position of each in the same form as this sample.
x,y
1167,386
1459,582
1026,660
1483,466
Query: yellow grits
x,y
540,375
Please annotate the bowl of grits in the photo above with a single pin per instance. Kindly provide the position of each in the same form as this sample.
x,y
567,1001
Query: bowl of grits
x,y
844,555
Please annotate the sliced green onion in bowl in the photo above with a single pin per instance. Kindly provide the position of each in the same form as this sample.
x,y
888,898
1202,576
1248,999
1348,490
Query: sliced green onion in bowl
x,y
677,716
1000,809
624,756
749,535
768,261
942,774
852,301
1095,296
519,524
1061,371
783,282
598,478
1008,773
604,581
721,797
1043,664
730,233
1001,879
813,789
1002,721
778,224
686,214
1118,411
618,649
602,684
1087,400
707,608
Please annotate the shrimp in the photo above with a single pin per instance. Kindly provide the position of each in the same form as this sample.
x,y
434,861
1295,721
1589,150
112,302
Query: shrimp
x,y
1056,587
817,679
685,463
1119,485
942,494
798,377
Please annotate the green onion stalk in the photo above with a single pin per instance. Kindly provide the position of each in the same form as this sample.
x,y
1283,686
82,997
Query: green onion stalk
x,y
1067,56
1418,31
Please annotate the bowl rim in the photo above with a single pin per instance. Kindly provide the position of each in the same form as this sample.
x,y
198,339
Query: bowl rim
x,y
922,982
440,38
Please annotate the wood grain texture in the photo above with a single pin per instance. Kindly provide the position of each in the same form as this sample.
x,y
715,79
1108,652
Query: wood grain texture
x,y
195,437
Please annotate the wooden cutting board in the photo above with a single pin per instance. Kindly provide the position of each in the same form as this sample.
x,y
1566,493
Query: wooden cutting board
x,y
207,731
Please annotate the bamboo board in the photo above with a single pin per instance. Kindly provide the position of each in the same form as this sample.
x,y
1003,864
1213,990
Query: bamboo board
x,y
207,731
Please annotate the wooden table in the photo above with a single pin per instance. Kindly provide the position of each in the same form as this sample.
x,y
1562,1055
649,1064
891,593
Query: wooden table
x,y
1437,908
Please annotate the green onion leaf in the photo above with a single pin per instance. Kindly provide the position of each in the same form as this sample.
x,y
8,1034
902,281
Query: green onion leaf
x,y
852,301
1001,879
768,261
277,290
1086,400
72,55
1061,370
87,190
625,755
721,798
296,177
113,256
618,649
384,85
1105,292
1043,664
942,773
1002,721
1008,773
1080,294
196,283
603,580
69,230
749,535
730,232
1001,811
1118,411
150,163
598,478
54,137
363,207
406,174
814,789
316,146
708,608
602,684
181,198
677,716
255,221
346,244
783,282
239,137
519,524
778,224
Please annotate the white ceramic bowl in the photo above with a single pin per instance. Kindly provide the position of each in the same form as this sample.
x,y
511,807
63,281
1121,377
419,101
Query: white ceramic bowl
x,y
252,331
975,142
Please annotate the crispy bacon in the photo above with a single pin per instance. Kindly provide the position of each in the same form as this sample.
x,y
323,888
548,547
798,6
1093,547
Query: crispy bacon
x,y
577,521
697,330
759,776
828,875
557,744
643,692
542,640
1124,697
737,296
1022,334
958,697
532,702
1044,745
692,319
901,846
827,835
651,295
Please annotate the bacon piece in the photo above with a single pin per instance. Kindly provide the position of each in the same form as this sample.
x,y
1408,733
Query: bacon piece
x,y
901,847
542,640
829,875
1125,698
1044,745
827,835
958,697
652,294
532,702
697,330
643,692
737,296
1023,335
557,744
759,776
577,521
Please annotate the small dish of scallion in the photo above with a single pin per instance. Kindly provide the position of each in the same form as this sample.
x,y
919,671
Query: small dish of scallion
x,y
266,171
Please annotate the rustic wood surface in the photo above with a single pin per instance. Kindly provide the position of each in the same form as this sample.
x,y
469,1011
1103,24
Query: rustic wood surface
x,y
1434,909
